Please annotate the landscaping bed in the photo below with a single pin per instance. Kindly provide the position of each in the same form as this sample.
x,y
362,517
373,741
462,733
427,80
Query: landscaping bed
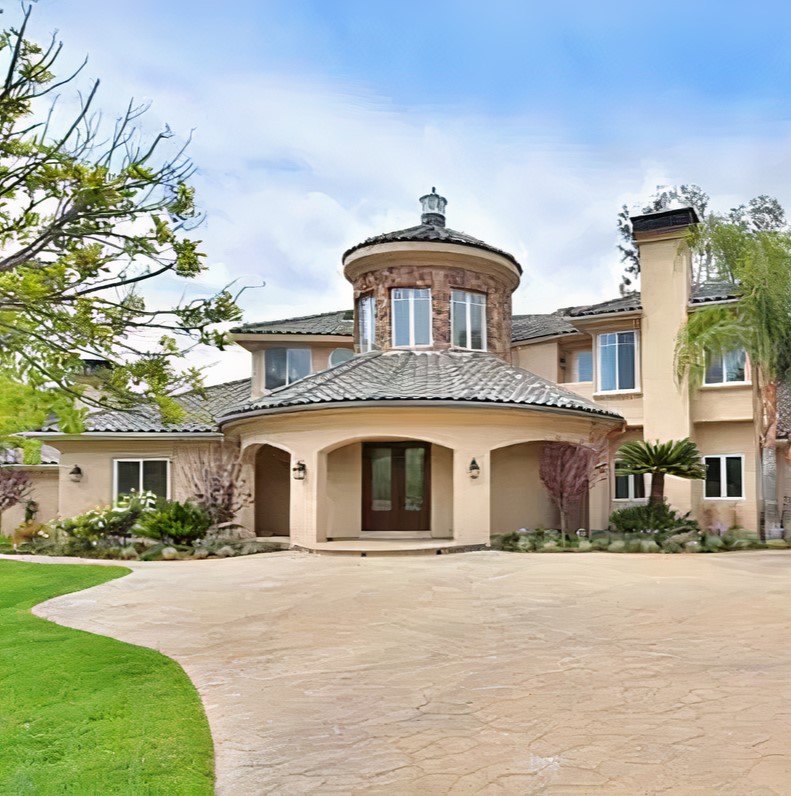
x,y
81,713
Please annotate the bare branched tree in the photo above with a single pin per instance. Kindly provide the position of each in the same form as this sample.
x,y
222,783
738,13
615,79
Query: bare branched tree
x,y
15,486
216,477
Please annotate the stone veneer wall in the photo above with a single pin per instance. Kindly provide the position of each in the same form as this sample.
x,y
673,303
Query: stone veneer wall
x,y
441,280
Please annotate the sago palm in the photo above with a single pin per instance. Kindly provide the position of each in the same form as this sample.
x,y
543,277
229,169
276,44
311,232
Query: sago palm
x,y
680,458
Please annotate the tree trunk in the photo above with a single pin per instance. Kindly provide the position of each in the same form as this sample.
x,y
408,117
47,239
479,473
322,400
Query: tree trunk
x,y
657,489
769,488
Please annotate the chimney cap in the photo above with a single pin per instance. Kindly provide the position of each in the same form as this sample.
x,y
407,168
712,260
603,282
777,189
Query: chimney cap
x,y
433,206
664,219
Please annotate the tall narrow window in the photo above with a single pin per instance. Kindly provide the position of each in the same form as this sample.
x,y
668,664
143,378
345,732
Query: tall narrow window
x,y
617,361
468,319
725,368
366,320
583,366
141,475
724,476
411,316
285,365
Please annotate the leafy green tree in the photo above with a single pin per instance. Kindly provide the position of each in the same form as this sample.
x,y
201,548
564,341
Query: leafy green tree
x,y
763,213
89,213
680,458
758,263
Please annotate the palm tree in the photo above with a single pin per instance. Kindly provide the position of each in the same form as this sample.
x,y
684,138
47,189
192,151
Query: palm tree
x,y
757,263
680,458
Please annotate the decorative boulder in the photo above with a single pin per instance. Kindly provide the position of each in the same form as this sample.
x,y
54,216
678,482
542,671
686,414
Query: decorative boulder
x,y
229,531
169,554
225,551
200,552
129,553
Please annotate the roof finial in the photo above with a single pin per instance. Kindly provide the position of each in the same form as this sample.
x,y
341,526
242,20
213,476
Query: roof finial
x,y
433,206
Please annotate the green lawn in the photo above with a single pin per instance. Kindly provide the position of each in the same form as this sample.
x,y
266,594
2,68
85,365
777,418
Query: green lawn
x,y
83,714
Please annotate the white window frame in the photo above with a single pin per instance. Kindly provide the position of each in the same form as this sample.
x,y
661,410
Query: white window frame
x,y
288,349
140,461
575,365
598,375
725,382
723,481
366,308
411,301
468,312
631,497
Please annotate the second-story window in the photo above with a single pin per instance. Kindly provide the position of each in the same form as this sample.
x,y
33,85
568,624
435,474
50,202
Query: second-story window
x,y
285,365
468,319
411,316
366,323
725,368
582,365
617,361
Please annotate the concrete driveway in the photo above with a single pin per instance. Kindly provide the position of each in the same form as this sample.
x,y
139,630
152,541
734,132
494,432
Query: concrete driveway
x,y
482,673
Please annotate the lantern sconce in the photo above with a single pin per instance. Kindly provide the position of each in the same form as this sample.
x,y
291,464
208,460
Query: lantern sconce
x,y
76,473
474,469
299,470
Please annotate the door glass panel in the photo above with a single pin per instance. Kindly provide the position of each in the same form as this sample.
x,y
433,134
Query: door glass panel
x,y
128,478
155,477
381,479
415,479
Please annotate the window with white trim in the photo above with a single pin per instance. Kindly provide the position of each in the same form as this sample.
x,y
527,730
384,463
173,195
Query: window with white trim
x,y
468,319
411,317
141,475
617,361
285,365
582,366
729,367
724,477
366,323
629,487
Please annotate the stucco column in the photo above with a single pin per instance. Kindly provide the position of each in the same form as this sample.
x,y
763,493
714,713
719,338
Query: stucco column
x,y
665,282
308,499
471,497
599,505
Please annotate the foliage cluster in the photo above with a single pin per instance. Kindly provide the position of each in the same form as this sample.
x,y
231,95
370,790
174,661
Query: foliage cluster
x,y
656,518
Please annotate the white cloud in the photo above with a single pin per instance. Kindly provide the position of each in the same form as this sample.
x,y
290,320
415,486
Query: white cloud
x,y
295,168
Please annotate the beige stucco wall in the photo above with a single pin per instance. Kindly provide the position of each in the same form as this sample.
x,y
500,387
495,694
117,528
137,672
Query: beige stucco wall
x,y
95,458
543,359
441,492
722,438
722,402
469,432
344,492
44,491
519,499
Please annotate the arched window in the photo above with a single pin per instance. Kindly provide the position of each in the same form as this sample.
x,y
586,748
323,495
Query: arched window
x,y
340,355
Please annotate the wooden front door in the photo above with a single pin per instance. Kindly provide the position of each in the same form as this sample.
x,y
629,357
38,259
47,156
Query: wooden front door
x,y
396,486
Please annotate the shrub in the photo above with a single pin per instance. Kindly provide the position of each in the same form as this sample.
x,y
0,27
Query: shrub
x,y
712,543
658,518
510,542
118,520
777,544
669,546
616,547
633,546
692,547
175,522
602,543
649,546
584,546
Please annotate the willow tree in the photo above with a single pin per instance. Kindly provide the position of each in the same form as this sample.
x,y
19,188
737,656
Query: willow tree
x,y
90,212
758,263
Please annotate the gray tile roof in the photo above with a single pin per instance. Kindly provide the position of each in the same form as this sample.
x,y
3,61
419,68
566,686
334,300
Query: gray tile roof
x,y
707,291
528,327
432,233
424,376
49,455
199,413
330,323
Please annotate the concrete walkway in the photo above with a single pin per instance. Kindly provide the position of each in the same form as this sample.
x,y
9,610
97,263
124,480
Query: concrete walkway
x,y
482,673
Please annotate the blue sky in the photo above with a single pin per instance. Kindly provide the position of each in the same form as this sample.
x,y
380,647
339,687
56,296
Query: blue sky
x,y
319,123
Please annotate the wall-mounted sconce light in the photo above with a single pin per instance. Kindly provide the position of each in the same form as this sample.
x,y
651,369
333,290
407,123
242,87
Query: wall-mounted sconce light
x,y
299,470
474,469
75,473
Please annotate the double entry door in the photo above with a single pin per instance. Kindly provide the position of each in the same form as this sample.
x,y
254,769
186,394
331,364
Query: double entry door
x,y
396,486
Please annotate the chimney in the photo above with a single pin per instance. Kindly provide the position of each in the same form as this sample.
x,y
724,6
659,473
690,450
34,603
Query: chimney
x,y
433,206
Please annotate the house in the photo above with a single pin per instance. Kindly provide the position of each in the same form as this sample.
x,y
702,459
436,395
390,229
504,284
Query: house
x,y
421,413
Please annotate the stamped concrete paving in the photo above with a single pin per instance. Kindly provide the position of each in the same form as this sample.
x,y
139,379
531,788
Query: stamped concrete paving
x,y
484,673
